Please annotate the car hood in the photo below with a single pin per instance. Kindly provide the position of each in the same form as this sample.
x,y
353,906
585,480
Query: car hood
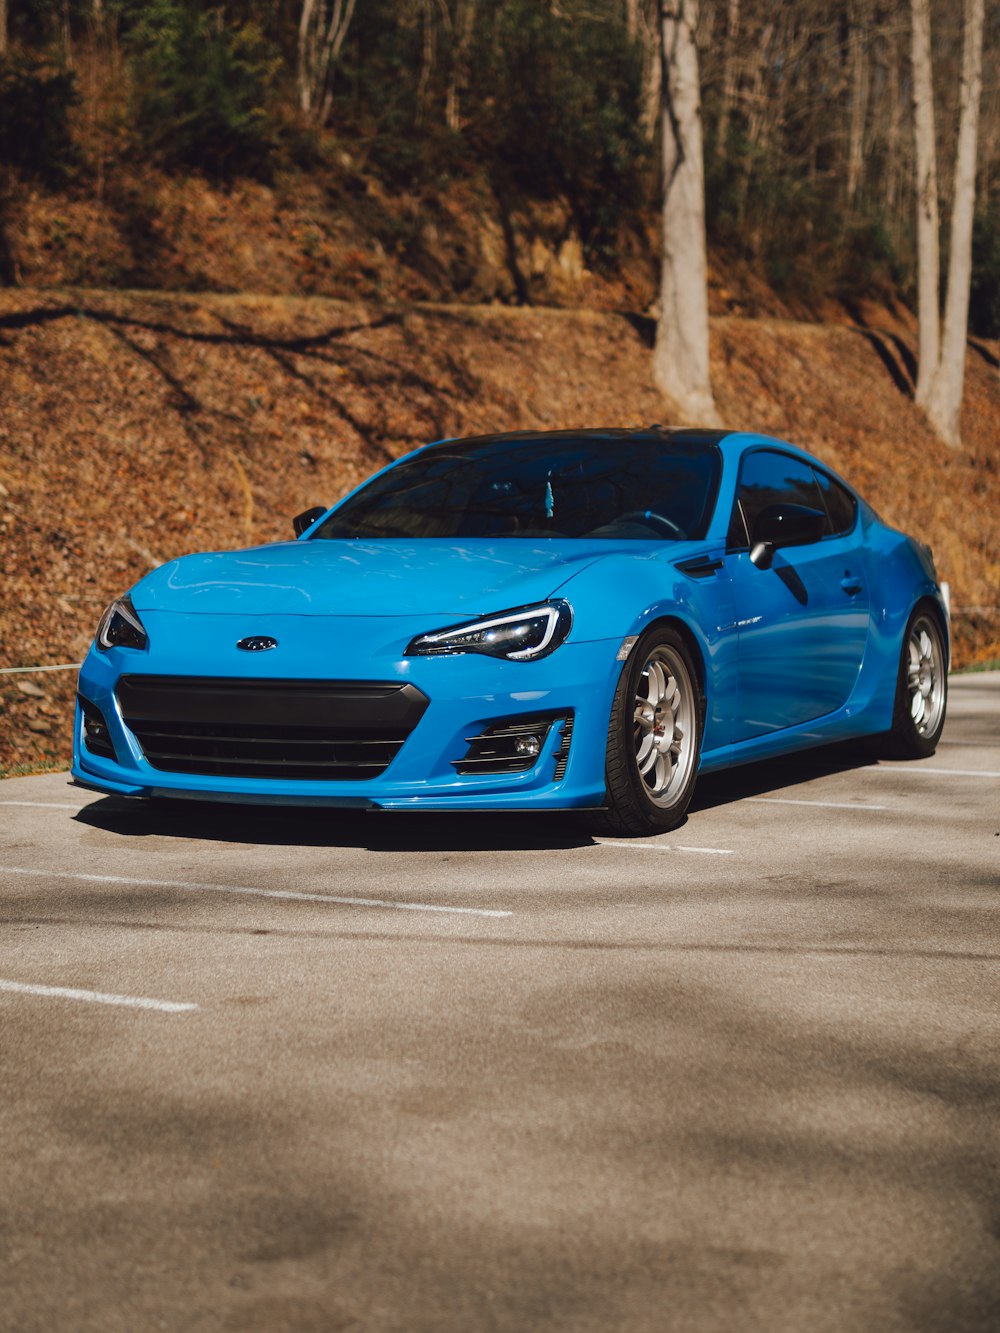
x,y
373,578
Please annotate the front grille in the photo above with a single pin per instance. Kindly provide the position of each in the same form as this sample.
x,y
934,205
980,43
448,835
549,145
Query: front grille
x,y
312,730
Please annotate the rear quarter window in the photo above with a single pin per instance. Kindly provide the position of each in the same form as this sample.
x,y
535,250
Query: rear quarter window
x,y
841,506
768,477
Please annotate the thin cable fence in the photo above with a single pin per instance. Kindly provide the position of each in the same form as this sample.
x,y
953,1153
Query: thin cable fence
x,y
22,670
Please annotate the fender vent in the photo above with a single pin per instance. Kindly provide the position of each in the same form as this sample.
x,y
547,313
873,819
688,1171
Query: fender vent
x,y
700,567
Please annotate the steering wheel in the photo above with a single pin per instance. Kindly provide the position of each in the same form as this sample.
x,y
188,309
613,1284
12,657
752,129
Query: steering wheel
x,y
654,520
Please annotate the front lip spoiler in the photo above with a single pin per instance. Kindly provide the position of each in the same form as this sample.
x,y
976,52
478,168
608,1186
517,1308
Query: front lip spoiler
x,y
107,787
416,805
289,802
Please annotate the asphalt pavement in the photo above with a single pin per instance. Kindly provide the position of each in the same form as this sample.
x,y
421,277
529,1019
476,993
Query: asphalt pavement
x,y
268,1070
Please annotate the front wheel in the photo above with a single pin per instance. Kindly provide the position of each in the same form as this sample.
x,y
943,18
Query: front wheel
x,y
654,736
921,689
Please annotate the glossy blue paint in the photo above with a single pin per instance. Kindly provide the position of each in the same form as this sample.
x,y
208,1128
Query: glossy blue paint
x,y
368,578
802,633
798,654
466,693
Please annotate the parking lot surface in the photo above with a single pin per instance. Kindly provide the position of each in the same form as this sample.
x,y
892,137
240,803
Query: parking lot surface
x,y
270,1070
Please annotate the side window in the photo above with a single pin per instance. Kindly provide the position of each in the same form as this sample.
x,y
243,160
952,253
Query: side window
x,y
769,478
841,505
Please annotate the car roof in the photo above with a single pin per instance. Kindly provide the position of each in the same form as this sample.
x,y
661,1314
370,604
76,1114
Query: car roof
x,y
730,442
686,436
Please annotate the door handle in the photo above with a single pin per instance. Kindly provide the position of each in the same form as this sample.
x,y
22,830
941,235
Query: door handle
x,y
851,584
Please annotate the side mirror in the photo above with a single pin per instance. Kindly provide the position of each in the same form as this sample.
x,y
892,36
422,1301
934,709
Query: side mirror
x,y
784,525
307,518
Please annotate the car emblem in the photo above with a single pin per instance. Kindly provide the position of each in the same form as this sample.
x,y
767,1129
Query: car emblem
x,y
257,643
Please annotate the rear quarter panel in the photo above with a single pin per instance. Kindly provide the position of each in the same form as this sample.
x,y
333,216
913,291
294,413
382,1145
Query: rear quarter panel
x,y
901,573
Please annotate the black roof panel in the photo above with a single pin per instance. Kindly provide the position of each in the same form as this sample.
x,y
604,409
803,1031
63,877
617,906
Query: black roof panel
x,y
683,435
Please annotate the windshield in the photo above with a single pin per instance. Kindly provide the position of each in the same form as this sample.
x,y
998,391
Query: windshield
x,y
640,488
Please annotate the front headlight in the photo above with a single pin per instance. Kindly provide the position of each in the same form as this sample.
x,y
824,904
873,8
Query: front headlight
x,y
520,636
120,627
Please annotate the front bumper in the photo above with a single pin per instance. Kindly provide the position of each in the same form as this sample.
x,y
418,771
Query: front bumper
x,y
465,693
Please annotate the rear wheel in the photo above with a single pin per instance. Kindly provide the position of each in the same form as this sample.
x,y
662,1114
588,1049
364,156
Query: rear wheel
x,y
921,689
654,736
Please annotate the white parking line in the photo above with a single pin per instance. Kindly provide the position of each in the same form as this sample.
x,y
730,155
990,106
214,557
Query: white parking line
x,y
707,851
283,894
912,769
97,997
664,847
826,805
42,805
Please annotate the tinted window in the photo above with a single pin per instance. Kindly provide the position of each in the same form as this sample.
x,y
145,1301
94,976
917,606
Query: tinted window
x,y
634,488
840,504
769,478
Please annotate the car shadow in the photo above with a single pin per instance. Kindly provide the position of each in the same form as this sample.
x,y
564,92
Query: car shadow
x,y
377,831
423,831
774,775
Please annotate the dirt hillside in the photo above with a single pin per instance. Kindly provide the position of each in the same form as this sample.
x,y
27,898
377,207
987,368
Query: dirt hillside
x,y
136,427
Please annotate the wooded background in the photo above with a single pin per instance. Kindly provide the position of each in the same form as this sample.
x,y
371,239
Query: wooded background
x,y
537,120
332,208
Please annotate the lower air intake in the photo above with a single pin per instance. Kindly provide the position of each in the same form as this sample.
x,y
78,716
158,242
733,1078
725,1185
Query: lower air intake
x,y
301,730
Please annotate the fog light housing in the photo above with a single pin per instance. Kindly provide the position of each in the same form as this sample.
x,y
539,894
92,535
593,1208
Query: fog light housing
x,y
96,737
515,746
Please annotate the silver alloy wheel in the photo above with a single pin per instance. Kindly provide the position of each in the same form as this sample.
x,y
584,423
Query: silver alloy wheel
x,y
664,725
925,676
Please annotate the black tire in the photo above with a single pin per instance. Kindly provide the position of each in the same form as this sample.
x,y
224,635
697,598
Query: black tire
x,y
650,783
921,689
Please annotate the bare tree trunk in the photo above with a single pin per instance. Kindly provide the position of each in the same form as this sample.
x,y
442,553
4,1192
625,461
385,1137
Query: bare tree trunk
x,y
859,97
458,78
3,28
642,24
652,70
66,34
429,53
728,79
306,60
342,11
892,133
925,155
322,29
944,402
680,357
755,119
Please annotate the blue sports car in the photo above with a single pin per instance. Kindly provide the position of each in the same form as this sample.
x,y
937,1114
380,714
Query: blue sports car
x,y
572,620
